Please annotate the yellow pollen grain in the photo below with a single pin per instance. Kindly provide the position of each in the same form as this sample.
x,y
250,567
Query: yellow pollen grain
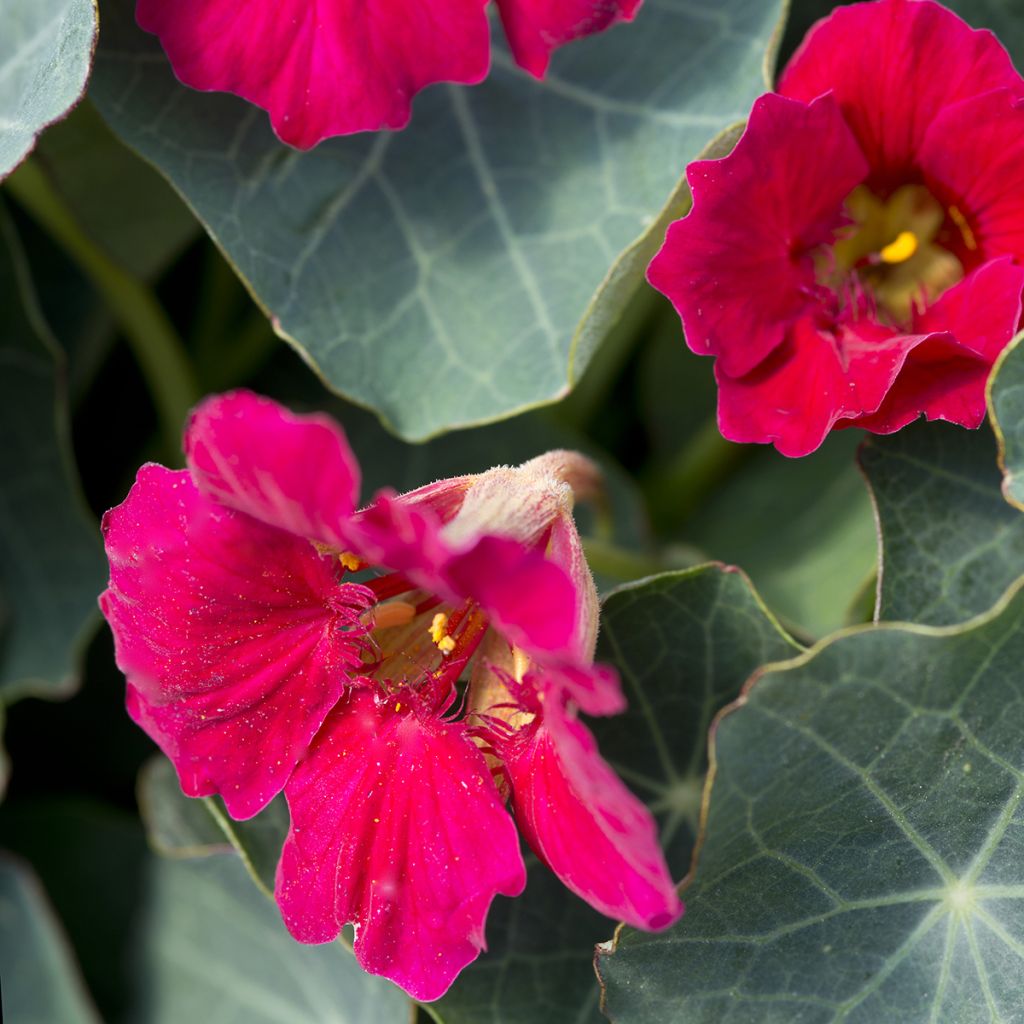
x,y
900,249
394,613
349,561
398,706
438,625
446,645
965,229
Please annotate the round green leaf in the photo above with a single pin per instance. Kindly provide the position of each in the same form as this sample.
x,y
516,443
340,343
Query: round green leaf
x,y
862,855
950,544
1006,413
456,271
46,50
41,982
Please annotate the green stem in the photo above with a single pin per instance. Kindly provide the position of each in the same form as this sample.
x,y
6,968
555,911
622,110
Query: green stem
x,y
609,560
155,343
675,492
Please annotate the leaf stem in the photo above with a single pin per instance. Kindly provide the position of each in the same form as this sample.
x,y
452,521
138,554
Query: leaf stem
x,y
610,560
155,343
675,492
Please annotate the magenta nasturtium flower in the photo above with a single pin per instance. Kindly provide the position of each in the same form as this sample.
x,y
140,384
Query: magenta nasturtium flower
x,y
332,67
856,260
274,638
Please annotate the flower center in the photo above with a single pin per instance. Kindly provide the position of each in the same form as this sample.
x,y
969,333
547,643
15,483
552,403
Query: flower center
x,y
415,639
892,254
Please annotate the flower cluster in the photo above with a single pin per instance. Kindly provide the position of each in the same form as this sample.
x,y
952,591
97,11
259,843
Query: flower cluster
x,y
857,259
398,672
332,67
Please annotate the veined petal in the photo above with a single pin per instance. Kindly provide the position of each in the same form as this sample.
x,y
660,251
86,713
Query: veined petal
x,y
581,820
294,472
397,826
536,27
236,638
972,158
322,67
530,599
893,66
815,379
740,268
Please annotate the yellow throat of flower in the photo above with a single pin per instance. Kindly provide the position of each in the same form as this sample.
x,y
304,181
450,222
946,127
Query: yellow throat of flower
x,y
892,249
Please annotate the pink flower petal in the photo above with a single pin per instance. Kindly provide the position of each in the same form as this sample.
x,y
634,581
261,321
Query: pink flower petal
x,y
532,601
536,27
397,827
944,377
294,472
972,157
893,66
236,638
808,384
585,824
739,268
322,67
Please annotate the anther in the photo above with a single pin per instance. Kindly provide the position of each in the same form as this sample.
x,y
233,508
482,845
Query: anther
x,y
900,249
438,633
393,613
350,561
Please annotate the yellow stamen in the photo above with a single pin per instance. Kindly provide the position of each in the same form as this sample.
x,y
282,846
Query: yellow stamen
x,y
900,249
398,706
350,561
438,625
394,613
965,229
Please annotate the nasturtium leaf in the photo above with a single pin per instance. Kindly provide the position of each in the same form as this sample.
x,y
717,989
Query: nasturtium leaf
x,y
950,543
211,948
802,528
176,825
684,642
41,982
46,49
861,856
1006,412
468,266
51,562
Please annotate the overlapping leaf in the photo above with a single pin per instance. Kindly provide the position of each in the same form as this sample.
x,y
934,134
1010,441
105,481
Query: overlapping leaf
x,y
1006,411
950,543
456,271
41,984
862,857
46,50
51,563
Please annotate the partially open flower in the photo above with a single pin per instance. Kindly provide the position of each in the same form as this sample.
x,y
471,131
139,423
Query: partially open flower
x,y
332,67
857,259
364,662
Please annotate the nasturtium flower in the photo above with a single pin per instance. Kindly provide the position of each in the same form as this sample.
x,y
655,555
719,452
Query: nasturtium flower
x,y
331,67
400,672
857,259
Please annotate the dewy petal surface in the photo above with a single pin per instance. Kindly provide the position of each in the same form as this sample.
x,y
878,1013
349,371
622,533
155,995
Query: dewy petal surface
x,y
739,268
322,67
583,822
236,637
397,826
536,27
294,472
893,65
